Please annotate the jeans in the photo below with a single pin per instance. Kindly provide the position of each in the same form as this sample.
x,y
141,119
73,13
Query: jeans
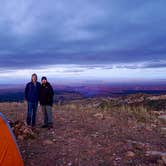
x,y
31,114
47,112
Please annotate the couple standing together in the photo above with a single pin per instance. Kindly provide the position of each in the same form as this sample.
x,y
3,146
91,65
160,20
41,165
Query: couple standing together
x,y
42,92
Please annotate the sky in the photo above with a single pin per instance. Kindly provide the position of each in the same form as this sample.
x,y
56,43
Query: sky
x,y
82,40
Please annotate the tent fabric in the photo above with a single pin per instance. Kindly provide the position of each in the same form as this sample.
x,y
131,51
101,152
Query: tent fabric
x,y
9,152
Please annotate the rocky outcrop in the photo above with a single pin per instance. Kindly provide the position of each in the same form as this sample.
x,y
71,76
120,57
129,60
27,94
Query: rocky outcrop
x,y
22,131
162,119
157,156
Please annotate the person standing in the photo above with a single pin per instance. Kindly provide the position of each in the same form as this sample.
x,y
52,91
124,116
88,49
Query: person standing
x,y
46,102
32,97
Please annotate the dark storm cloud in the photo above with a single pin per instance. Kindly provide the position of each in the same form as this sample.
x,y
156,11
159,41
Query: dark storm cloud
x,y
155,65
34,34
150,65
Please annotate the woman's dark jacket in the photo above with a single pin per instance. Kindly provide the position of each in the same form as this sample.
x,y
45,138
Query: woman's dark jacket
x,y
32,92
46,94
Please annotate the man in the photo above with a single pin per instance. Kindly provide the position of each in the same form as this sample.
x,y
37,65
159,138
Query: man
x,y
46,102
32,97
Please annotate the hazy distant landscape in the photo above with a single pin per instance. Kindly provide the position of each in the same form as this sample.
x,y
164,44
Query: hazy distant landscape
x,y
73,92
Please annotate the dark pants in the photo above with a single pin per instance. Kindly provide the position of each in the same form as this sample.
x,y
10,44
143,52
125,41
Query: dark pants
x,y
47,112
31,114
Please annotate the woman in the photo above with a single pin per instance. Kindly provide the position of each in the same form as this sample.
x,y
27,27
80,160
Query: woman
x,y
32,97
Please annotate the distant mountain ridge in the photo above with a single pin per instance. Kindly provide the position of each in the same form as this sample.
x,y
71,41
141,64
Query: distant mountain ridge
x,y
74,92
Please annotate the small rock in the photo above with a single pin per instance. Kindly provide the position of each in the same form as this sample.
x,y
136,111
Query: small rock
x,y
156,156
153,156
53,132
47,142
163,131
153,125
162,118
139,146
160,162
31,136
117,158
27,131
154,153
99,115
54,140
130,154
20,137
69,164
148,128
164,159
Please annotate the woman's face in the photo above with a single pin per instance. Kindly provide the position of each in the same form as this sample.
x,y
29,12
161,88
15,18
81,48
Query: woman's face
x,y
34,78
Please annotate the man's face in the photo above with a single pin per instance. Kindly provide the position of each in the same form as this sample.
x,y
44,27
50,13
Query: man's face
x,y
34,79
44,81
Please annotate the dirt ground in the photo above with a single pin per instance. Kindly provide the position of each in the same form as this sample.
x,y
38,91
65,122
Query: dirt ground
x,y
86,137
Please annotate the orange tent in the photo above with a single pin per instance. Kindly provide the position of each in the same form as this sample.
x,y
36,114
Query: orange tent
x,y
9,152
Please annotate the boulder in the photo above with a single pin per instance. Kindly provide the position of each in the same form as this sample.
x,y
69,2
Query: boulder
x,y
156,156
163,131
164,159
129,154
162,118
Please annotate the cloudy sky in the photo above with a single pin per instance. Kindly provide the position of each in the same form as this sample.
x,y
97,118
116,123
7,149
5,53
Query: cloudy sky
x,y
82,39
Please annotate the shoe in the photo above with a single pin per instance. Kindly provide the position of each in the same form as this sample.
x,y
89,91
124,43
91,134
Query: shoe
x,y
28,125
44,126
50,126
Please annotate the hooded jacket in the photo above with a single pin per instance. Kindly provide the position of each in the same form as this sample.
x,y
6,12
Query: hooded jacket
x,y
46,94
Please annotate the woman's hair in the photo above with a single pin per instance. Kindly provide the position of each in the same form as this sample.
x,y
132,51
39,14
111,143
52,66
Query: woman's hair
x,y
34,74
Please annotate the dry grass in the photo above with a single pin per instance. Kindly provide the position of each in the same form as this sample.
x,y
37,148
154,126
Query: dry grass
x,y
88,132
14,111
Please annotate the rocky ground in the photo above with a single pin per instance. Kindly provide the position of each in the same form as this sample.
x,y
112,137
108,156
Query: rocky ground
x,y
91,132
